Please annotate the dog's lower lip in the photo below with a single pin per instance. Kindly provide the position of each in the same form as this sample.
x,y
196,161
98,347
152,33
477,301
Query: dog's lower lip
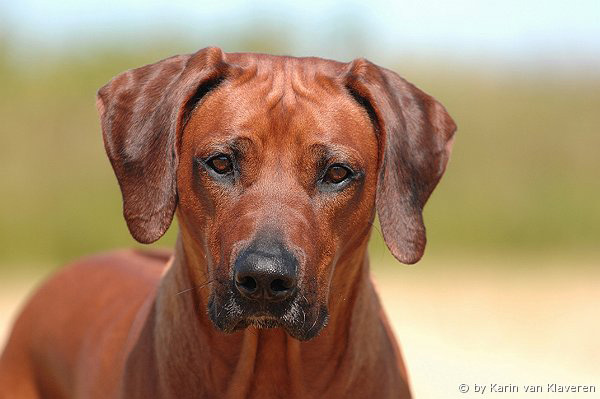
x,y
261,317
262,320
261,314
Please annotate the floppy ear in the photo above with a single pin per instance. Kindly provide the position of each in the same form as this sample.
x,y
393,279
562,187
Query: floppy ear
x,y
142,112
415,135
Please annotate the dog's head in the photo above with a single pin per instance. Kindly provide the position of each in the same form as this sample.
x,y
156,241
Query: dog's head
x,y
275,166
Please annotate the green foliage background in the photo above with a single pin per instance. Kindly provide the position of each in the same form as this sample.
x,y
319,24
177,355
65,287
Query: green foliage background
x,y
524,175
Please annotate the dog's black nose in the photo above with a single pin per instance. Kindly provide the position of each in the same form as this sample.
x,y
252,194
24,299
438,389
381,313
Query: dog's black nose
x,y
266,271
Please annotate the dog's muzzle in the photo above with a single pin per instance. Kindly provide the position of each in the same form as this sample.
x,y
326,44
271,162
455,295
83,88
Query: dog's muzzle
x,y
265,292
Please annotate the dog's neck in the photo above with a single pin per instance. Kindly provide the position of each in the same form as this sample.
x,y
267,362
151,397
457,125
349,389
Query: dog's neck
x,y
191,356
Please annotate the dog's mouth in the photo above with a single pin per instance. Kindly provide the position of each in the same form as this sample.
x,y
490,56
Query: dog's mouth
x,y
261,320
299,318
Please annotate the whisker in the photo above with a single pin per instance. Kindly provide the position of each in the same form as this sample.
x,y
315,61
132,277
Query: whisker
x,y
303,317
194,288
314,324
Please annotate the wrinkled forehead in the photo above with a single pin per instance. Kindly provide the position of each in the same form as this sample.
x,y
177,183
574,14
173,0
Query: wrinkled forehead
x,y
283,104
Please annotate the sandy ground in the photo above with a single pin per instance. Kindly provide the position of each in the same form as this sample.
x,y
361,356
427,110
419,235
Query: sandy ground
x,y
479,323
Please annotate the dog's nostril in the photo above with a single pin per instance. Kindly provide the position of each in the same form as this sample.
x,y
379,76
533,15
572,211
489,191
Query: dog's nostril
x,y
279,285
247,283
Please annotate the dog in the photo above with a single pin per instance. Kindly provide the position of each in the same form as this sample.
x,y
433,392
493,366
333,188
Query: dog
x,y
274,167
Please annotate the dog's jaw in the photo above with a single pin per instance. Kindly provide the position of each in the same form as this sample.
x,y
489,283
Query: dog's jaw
x,y
300,319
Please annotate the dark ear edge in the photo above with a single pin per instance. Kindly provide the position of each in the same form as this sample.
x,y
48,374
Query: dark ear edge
x,y
415,135
201,92
143,112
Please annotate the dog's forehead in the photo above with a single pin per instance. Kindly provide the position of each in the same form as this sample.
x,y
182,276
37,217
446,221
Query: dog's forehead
x,y
268,62
284,99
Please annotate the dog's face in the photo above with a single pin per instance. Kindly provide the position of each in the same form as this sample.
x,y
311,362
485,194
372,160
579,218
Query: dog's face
x,y
276,179
275,166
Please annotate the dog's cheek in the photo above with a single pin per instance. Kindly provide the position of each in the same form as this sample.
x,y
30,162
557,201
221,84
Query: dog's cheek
x,y
346,220
318,276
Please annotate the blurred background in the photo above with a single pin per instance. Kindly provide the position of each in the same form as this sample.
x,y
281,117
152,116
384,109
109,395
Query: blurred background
x,y
509,288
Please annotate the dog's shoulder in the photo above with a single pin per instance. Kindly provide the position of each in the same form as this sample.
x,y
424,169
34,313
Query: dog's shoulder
x,y
96,286
82,314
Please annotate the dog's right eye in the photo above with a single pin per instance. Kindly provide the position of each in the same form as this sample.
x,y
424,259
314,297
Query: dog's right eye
x,y
336,174
221,164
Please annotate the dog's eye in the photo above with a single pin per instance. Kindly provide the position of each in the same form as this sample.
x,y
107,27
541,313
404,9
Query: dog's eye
x,y
221,164
336,174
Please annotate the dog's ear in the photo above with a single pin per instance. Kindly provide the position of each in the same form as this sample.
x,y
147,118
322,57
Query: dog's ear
x,y
415,135
142,112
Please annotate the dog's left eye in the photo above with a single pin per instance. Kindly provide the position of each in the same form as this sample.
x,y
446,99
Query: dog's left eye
x,y
221,164
337,174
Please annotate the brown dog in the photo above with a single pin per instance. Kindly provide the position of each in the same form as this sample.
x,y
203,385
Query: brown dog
x,y
274,167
